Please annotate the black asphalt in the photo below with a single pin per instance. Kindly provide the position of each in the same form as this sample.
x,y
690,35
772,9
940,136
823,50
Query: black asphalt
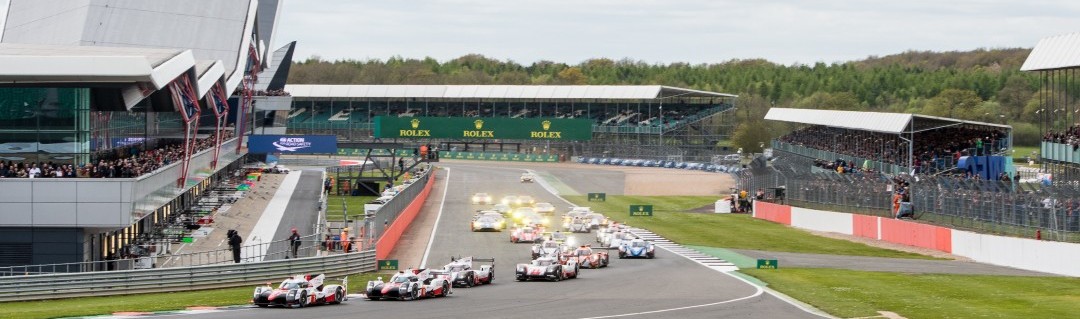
x,y
666,287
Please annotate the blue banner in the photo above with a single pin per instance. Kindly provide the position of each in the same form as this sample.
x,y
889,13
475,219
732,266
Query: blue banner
x,y
292,144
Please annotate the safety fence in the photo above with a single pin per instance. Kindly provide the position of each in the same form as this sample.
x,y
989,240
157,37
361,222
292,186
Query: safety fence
x,y
1008,208
280,249
85,284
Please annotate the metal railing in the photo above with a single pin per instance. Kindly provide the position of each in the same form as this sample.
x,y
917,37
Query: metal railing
x,y
55,286
986,206
276,250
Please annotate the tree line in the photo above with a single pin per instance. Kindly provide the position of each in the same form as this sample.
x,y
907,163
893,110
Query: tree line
x,y
982,85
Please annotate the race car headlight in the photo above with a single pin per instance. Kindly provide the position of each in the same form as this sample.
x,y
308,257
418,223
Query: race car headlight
x,y
520,268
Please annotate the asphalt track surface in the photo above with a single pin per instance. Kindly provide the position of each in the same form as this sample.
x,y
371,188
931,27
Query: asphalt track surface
x,y
666,287
301,212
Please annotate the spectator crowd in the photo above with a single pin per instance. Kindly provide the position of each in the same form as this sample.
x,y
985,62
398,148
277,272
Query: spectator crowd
x,y
935,150
133,163
1070,136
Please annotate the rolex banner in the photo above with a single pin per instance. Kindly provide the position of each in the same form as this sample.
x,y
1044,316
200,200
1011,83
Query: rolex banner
x,y
552,129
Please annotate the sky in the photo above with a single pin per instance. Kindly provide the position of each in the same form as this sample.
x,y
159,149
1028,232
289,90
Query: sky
x,y
664,31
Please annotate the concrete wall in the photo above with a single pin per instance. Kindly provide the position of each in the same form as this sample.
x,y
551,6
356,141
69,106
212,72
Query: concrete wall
x,y
1045,256
820,220
392,234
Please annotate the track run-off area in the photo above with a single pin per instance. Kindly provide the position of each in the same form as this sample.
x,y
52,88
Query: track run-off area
x,y
671,285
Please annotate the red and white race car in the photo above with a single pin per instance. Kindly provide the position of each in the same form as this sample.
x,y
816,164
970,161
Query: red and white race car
x,y
411,284
300,291
546,268
460,272
526,234
586,257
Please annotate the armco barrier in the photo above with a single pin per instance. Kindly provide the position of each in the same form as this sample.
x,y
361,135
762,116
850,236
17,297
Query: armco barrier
x,y
390,236
109,283
1023,253
773,212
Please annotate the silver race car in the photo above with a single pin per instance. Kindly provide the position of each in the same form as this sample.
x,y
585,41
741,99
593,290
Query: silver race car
x,y
546,268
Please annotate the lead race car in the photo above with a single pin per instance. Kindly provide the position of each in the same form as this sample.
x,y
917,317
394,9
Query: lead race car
x,y
526,234
637,248
300,291
410,284
460,272
546,268
548,248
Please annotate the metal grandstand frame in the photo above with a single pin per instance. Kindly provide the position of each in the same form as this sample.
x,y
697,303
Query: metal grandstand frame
x,y
694,137
1055,60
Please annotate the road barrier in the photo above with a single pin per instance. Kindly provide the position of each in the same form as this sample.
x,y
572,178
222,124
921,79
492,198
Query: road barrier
x,y
110,283
1023,253
391,234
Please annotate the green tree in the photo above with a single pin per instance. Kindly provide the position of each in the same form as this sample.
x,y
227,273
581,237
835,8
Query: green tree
x,y
954,103
571,76
751,136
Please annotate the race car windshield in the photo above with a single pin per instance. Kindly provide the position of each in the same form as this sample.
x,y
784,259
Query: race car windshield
x,y
584,252
400,279
638,244
290,285
457,268
542,262
558,236
550,244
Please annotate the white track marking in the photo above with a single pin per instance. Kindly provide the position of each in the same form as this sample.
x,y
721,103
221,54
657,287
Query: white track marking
x,y
435,228
266,227
758,289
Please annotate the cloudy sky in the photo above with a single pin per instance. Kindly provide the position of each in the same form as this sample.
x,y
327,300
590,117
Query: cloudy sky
x,y
693,31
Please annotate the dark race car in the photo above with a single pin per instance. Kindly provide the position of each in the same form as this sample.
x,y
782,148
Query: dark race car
x,y
299,291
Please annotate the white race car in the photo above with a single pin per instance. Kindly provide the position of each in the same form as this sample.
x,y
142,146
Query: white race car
x,y
487,220
481,199
460,272
544,208
579,225
527,177
548,248
300,291
526,234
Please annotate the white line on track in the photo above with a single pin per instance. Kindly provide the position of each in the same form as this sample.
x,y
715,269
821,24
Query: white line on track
x,y
442,203
758,289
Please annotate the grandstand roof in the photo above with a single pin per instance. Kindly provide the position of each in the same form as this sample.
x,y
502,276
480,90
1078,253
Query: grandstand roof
x,y
1056,52
634,92
28,63
867,121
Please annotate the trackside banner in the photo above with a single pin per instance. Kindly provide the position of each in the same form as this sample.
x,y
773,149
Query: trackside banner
x,y
292,144
550,129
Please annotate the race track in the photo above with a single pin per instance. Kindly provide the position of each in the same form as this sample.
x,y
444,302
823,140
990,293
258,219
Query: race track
x,y
666,287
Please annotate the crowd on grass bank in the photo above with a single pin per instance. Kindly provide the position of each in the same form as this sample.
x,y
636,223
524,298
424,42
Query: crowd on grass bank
x,y
122,163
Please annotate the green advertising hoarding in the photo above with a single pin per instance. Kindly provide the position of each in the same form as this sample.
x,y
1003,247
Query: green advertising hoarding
x,y
495,156
543,129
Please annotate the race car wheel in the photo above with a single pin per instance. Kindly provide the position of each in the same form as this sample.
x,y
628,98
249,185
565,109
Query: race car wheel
x,y
622,255
302,302
373,297
339,295
262,305
415,294
445,289
469,281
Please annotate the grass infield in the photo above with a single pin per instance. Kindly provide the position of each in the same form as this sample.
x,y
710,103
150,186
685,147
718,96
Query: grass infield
x,y
849,293
671,220
152,302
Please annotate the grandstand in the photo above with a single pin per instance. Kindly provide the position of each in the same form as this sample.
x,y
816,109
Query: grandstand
x,y
1058,116
115,116
894,143
630,121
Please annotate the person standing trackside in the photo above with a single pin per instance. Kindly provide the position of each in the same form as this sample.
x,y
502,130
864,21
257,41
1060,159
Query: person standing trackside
x,y
234,243
345,242
294,242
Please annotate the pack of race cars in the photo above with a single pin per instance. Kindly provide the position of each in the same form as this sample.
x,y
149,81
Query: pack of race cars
x,y
555,256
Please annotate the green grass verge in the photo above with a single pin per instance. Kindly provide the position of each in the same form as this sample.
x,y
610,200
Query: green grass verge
x,y
354,206
737,231
848,293
93,306
1022,152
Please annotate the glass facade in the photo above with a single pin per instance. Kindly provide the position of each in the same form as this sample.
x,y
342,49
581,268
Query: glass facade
x,y
60,125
